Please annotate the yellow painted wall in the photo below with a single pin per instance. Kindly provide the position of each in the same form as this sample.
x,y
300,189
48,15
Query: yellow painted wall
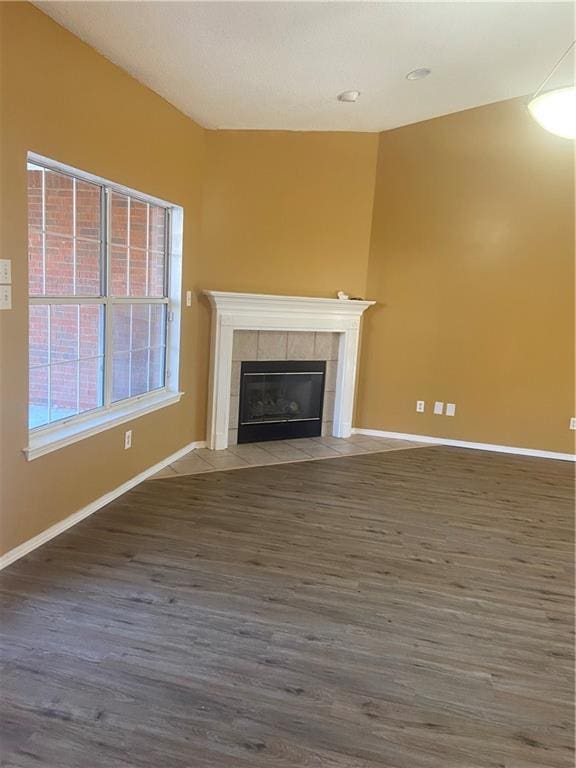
x,y
472,263
280,213
288,212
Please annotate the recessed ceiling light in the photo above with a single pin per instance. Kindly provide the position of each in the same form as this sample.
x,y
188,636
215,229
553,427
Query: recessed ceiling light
x,y
348,96
418,74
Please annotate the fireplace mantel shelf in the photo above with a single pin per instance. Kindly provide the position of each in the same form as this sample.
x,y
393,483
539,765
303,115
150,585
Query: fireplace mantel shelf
x,y
266,312
224,301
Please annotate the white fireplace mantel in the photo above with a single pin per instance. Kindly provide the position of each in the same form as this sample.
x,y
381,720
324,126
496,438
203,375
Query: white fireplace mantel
x,y
260,312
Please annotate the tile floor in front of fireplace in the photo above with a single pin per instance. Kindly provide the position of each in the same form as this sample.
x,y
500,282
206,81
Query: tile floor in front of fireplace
x,y
280,452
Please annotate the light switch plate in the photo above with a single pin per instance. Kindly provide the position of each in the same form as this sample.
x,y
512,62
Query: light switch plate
x,y
573,422
450,409
420,406
438,408
188,298
5,297
5,271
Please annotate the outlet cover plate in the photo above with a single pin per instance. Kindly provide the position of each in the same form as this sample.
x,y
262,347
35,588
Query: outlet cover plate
x,y
5,271
438,408
5,297
450,409
573,422
420,406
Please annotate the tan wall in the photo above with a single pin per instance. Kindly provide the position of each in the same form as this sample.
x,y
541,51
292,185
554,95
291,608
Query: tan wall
x,y
288,212
472,263
282,213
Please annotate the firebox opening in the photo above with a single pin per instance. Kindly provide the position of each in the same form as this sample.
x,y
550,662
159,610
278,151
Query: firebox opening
x,y
280,399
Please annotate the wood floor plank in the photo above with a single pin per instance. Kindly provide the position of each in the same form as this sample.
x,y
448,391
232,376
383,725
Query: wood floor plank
x,y
409,609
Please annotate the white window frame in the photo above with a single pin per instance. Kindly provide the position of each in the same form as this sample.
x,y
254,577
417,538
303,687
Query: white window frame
x,y
52,437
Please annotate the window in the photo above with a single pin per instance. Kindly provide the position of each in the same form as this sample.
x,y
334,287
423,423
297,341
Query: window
x,y
104,282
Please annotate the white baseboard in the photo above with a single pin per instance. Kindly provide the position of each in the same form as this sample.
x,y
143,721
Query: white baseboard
x,y
76,517
465,444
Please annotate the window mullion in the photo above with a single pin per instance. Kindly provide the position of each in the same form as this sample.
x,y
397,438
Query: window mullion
x,y
49,364
78,362
44,231
167,239
106,293
74,254
140,299
131,344
167,292
128,235
147,291
84,300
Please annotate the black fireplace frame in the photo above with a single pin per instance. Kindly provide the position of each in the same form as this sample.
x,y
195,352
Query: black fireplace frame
x,y
287,428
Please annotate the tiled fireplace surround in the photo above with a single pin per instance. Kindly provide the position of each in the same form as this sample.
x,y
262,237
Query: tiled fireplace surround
x,y
284,345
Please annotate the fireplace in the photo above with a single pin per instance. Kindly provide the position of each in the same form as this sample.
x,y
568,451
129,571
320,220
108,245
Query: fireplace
x,y
280,399
298,317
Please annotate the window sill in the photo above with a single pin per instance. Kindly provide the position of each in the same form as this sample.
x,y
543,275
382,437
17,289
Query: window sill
x,y
67,433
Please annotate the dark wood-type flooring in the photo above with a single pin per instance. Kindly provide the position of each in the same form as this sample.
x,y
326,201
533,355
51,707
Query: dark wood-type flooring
x,y
411,609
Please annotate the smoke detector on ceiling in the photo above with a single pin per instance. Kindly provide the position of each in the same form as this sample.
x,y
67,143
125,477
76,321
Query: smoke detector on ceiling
x,y
418,74
348,96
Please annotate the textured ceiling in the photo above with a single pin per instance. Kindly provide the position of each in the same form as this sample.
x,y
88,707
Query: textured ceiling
x,y
279,65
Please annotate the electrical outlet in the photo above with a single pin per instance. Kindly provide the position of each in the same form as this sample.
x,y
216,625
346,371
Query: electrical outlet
x,y
573,422
420,405
5,297
188,298
450,409
127,439
5,271
438,408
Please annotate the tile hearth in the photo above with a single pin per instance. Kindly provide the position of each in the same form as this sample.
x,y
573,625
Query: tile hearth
x,y
280,452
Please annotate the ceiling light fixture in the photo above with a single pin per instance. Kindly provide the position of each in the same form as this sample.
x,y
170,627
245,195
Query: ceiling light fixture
x,y
418,74
555,110
348,96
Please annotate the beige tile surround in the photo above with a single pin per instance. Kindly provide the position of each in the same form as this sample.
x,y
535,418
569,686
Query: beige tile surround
x,y
284,345
280,452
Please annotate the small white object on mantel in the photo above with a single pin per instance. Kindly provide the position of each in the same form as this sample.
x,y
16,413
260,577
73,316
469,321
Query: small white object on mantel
x,y
343,296
265,312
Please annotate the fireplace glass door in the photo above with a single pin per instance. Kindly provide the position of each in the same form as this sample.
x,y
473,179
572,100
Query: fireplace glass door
x,y
280,399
